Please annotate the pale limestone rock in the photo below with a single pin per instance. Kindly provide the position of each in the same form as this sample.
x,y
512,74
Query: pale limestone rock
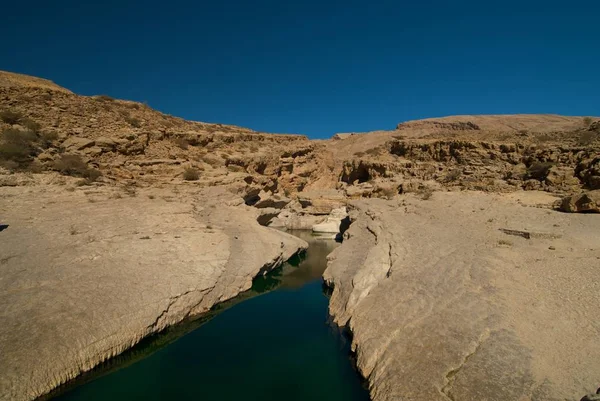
x,y
83,281
443,305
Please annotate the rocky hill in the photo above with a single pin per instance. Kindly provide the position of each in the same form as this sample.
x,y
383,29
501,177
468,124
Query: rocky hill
x,y
48,128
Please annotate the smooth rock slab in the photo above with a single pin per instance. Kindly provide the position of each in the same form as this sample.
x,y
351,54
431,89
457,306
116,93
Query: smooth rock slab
x,y
85,277
443,305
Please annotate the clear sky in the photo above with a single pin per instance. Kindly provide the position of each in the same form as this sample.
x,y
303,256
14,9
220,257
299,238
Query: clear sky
x,y
315,67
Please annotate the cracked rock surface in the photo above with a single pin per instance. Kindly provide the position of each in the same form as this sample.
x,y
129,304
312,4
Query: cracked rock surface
x,y
444,305
87,274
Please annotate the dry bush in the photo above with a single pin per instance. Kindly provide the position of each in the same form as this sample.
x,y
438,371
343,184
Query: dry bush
x,y
389,192
105,98
453,175
212,160
134,122
587,138
372,151
30,124
191,174
48,137
17,146
10,116
587,121
425,193
74,166
543,138
359,154
182,143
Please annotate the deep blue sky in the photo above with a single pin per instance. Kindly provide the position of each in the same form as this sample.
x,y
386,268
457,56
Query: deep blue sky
x,y
315,67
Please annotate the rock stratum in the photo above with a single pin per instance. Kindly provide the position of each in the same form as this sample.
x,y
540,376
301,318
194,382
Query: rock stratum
x,y
469,270
470,296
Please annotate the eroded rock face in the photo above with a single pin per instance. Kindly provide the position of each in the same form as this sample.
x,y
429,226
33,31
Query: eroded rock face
x,y
587,202
445,304
83,283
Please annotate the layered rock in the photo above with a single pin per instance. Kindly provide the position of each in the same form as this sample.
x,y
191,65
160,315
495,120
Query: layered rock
x,y
470,296
82,283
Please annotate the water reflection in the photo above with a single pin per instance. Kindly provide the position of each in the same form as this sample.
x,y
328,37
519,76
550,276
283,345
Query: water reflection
x,y
272,342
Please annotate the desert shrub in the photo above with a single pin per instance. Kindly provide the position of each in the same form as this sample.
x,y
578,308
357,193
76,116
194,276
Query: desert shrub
x,y
105,98
191,174
48,137
10,116
46,96
372,151
181,142
212,160
359,154
543,138
35,167
539,171
134,106
587,138
17,146
425,193
587,121
453,175
254,148
30,124
74,165
134,122
9,164
389,192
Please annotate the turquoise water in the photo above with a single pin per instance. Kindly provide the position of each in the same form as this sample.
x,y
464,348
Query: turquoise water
x,y
275,342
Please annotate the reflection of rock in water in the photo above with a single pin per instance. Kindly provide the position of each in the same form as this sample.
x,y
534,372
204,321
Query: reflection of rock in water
x,y
301,269
311,265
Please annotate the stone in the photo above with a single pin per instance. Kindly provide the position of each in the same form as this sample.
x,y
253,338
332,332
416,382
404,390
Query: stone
x,y
76,143
332,223
85,287
561,176
587,202
105,143
438,310
272,201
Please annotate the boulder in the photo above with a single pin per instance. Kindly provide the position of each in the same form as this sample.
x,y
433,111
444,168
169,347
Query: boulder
x,y
561,176
272,201
333,222
106,143
587,202
76,143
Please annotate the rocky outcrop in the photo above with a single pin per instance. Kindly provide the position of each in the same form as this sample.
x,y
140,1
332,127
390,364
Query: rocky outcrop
x,y
587,202
445,303
112,268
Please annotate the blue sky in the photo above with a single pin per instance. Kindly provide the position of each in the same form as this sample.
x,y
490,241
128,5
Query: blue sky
x,y
315,67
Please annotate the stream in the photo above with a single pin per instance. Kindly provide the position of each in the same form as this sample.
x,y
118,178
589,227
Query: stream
x,y
273,342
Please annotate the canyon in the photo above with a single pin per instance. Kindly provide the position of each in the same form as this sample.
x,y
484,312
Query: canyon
x,y
468,267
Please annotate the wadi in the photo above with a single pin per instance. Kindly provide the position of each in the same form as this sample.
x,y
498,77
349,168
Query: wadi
x,y
469,258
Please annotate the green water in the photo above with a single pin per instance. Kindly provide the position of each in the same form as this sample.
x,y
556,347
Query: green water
x,y
274,342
